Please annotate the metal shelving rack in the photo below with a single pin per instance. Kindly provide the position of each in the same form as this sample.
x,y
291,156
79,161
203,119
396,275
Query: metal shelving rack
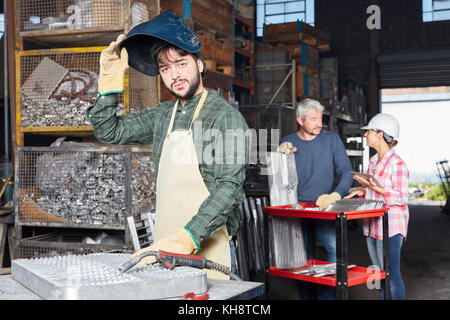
x,y
245,85
91,25
55,39
444,174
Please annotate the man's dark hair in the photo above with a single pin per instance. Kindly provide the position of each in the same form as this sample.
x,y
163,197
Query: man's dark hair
x,y
164,47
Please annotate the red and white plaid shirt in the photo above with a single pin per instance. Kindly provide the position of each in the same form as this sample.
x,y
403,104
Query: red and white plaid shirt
x,y
393,175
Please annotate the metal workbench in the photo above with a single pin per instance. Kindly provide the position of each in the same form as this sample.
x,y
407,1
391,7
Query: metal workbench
x,y
217,290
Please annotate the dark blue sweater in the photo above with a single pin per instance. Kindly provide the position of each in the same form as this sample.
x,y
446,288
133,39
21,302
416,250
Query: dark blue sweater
x,y
318,161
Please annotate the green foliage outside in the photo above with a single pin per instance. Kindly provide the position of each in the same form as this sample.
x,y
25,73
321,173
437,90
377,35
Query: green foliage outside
x,y
432,191
437,193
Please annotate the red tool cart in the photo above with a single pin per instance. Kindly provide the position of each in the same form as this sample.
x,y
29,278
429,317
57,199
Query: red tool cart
x,y
343,278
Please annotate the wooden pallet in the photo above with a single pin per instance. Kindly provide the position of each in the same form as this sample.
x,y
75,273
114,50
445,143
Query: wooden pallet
x,y
294,33
308,84
305,56
207,33
216,15
295,27
298,37
213,50
211,65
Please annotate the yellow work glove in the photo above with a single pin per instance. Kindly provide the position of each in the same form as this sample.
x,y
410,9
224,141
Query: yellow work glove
x,y
286,148
112,68
325,200
178,242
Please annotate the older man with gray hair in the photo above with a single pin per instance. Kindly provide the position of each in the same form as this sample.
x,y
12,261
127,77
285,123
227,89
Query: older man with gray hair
x,y
320,157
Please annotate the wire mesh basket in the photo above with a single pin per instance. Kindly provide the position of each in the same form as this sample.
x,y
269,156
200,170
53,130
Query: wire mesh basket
x,y
61,23
57,86
143,181
82,186
68,243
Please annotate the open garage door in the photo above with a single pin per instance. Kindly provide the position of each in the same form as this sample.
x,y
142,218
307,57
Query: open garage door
x,y
415,69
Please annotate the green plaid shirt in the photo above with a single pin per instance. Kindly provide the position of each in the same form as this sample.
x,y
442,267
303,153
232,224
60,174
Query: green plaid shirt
x,y
222,143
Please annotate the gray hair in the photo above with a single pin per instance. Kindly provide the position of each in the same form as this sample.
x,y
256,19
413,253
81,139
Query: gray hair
x,y
307,104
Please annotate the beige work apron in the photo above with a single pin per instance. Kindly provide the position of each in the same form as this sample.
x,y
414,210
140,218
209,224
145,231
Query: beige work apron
x,y
180,191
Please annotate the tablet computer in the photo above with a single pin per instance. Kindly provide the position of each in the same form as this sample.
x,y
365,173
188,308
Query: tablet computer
x,y
366,176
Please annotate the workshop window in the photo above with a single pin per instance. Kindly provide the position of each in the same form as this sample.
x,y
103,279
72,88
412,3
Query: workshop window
x,y
435,10
281,11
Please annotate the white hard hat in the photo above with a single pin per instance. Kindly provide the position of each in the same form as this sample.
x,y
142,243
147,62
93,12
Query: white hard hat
x,y
384,122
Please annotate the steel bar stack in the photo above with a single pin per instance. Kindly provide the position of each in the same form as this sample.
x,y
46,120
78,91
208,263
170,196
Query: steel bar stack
x,y
250,238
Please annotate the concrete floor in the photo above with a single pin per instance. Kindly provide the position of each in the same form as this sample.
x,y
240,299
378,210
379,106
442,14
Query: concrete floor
x,y
425,261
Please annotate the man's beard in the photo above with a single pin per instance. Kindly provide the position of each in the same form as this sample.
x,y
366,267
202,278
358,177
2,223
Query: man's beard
x,y
192,88
312,132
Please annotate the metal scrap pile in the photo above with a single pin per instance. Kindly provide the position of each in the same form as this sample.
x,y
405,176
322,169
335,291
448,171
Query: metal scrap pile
x,y
53,112
54,95
143,183
90,187
63,111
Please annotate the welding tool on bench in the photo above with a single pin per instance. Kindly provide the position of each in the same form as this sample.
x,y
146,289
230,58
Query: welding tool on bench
x,y
171,260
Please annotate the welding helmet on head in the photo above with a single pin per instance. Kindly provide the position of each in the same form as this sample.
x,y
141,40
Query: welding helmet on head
x,y
146,38
384,122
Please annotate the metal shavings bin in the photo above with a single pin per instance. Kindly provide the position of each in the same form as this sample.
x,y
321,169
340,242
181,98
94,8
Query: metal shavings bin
x,y
80,187
96,276
73,185
59,85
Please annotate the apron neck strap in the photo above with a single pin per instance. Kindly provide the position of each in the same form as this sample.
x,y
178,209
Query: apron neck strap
x,y
196,113
199,107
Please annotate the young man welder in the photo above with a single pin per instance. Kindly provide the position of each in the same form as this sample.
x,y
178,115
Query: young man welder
x,y
200,167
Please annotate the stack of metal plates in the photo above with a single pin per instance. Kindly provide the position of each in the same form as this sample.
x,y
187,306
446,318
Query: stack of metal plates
x,y
355,204
283,181
96,277
287,241
321,270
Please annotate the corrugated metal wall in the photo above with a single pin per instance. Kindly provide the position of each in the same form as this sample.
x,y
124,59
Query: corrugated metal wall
x,y
415,69
402,31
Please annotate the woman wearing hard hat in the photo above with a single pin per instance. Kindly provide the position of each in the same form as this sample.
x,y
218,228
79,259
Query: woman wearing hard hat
x,y
388,182
197,193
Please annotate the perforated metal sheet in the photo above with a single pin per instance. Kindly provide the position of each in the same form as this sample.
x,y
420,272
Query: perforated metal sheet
x,y
96,276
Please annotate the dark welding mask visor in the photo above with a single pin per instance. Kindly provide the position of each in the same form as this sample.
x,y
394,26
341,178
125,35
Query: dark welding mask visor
x,y
148,37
